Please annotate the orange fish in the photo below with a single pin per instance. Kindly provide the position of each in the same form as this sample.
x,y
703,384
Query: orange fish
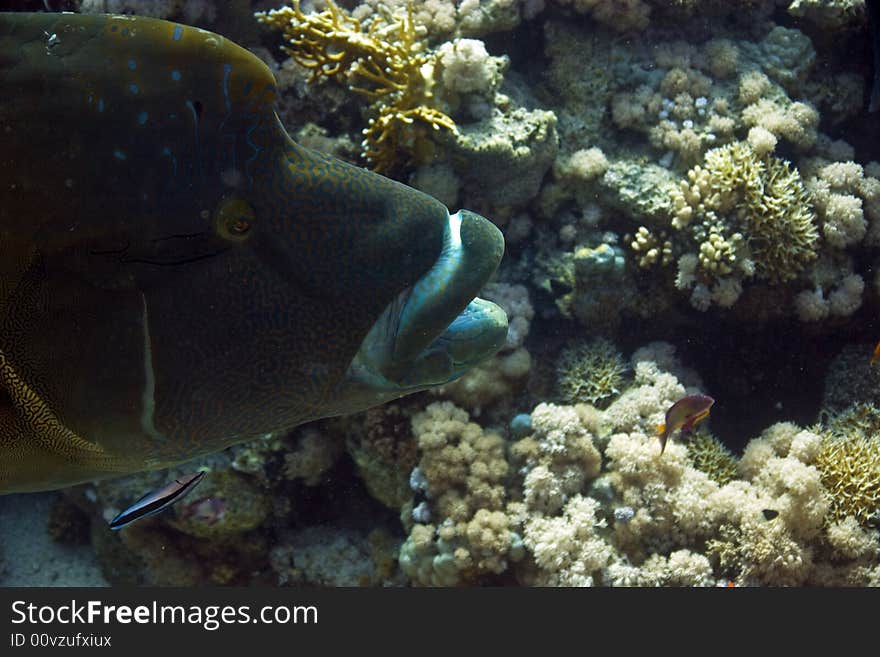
x,y
684,414
876,355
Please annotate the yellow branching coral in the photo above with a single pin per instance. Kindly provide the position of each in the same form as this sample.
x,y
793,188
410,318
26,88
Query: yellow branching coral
x,y
385,63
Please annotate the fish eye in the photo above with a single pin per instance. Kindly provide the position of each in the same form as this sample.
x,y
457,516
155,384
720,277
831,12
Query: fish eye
x,y
234,219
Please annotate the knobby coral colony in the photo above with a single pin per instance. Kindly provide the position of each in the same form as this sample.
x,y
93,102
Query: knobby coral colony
x,y
748,216
385,63
762,197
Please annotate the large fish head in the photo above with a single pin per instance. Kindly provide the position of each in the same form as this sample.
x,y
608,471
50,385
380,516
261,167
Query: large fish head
x,y
177,275
401,269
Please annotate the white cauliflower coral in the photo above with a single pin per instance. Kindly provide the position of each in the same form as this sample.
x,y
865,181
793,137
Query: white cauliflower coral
x,y
657,520
583,165
559,458
568,549
467,67
587,499
844,300
465,469
763,529
846,199
644,404
811,305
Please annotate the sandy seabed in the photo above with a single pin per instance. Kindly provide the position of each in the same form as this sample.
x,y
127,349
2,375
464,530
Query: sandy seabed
x,y
29,557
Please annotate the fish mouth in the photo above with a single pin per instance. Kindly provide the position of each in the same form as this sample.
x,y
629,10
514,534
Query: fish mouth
x,y
437,329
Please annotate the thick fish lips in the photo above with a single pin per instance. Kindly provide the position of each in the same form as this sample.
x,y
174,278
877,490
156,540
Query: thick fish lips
x,y
444,329
437,329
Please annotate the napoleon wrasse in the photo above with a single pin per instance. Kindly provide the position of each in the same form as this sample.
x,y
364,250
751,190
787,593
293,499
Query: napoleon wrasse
x,y
177,275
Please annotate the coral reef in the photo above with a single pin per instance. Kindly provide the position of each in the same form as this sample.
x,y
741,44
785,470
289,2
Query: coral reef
x,y
591,284
333,556
567,549
225,505
192,11
851,380
704,96
651,520
489,383
747,216
849,468
313,454
467,534
558,457
451,18
383,63
385,452
505,154
828,15
709,455
701,172
620,15
702,188
590,372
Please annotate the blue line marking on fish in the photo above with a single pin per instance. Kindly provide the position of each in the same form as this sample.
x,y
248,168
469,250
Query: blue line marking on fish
x,y
157,501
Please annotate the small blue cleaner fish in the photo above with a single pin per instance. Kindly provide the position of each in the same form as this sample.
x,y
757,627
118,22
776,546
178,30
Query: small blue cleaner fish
x,y
158,500
684,414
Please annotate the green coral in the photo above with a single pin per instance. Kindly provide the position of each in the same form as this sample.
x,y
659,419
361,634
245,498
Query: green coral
x,y
786,55
590,372
708,455
602,290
